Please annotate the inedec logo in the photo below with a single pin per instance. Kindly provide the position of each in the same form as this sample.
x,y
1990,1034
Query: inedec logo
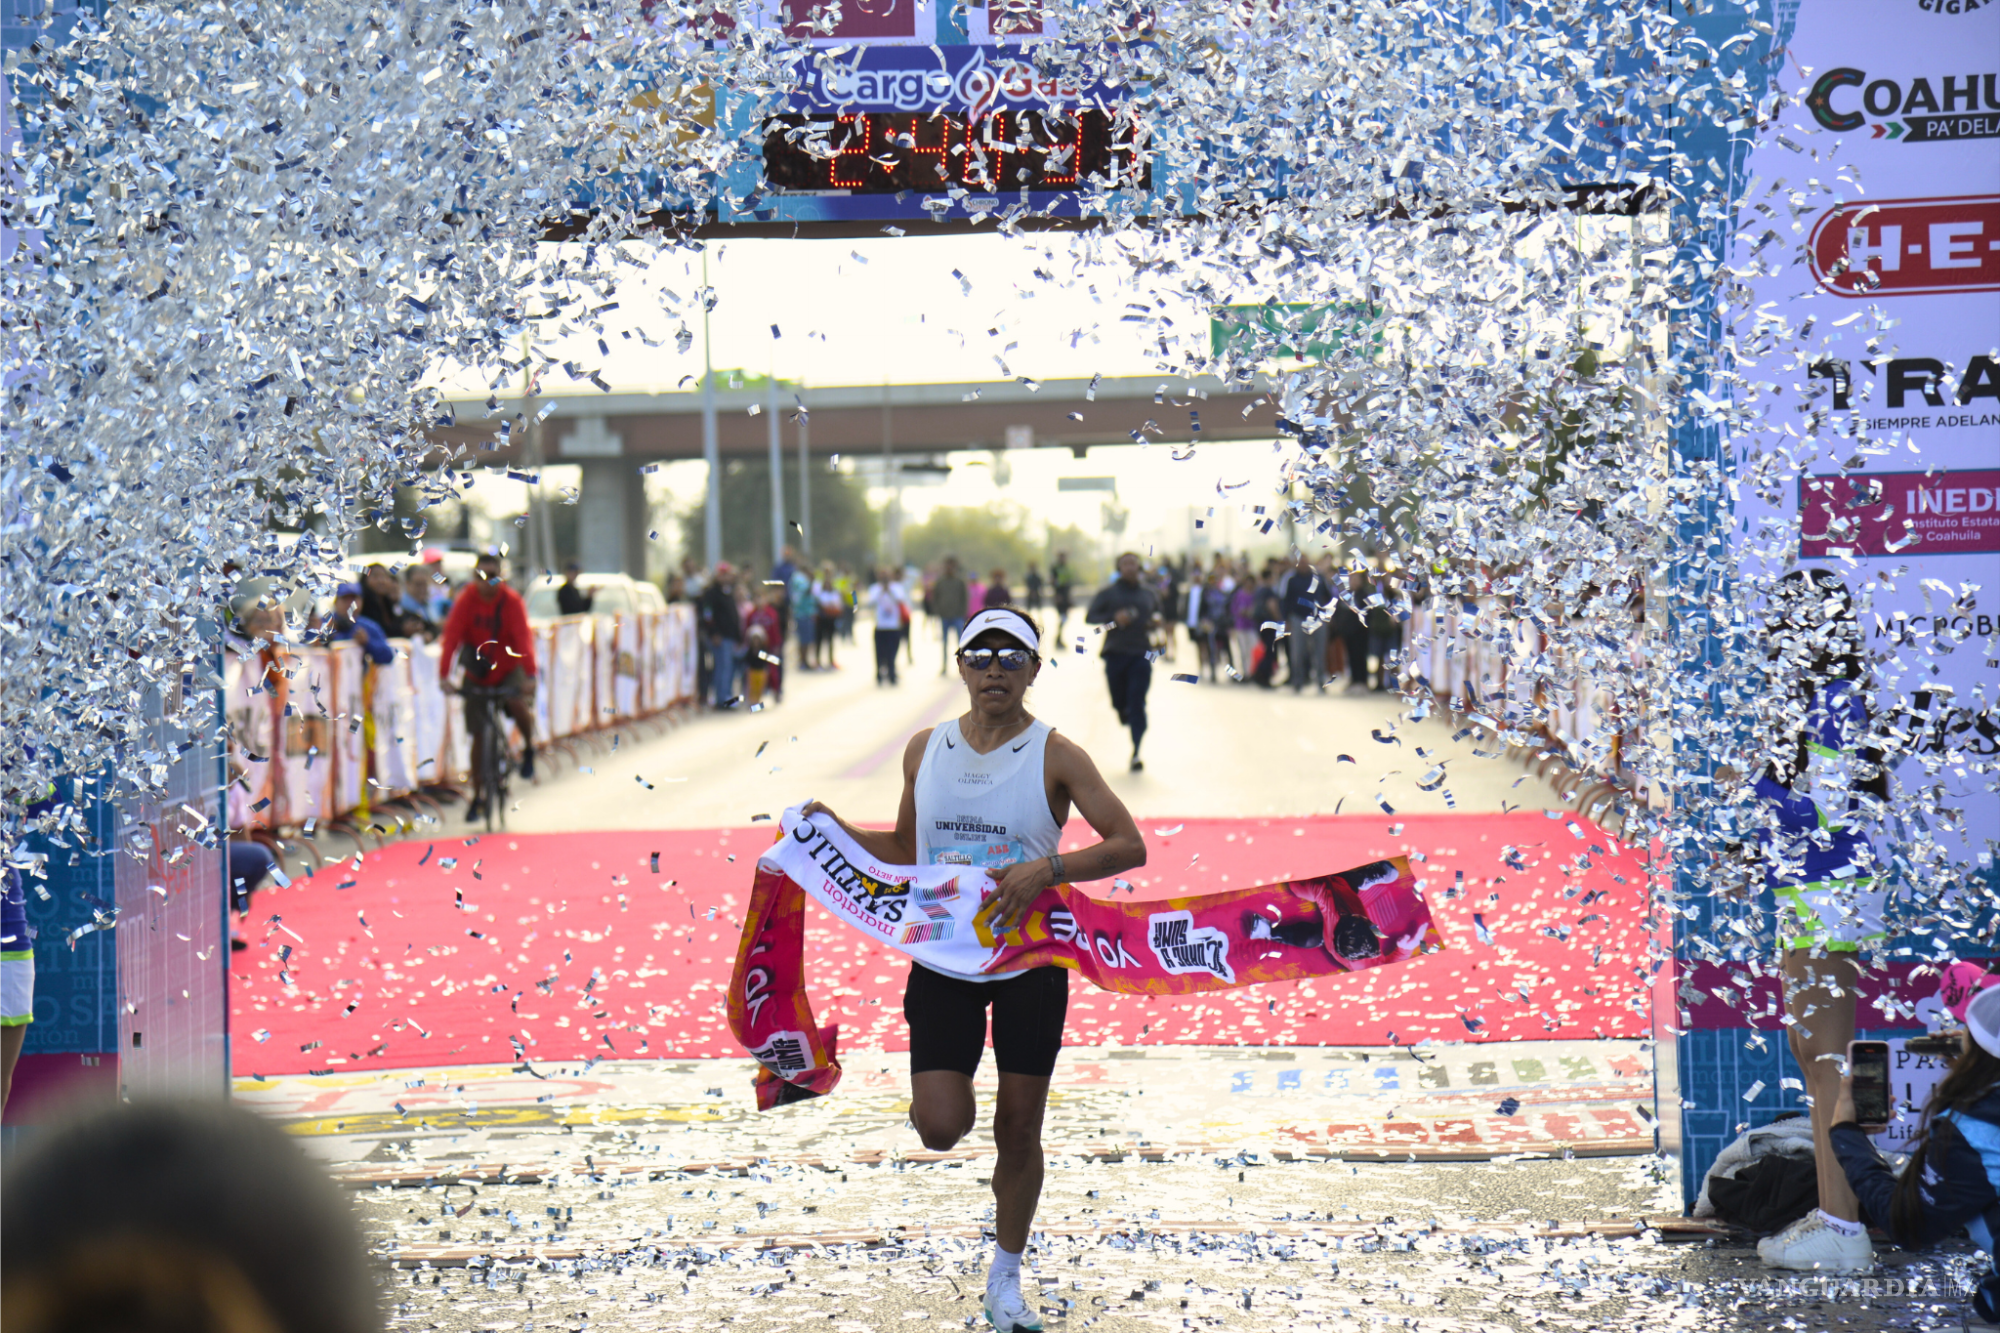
x,y
1909,247
1896,513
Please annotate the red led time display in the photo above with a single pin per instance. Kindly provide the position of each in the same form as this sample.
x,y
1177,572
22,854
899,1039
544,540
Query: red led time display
x,y
881,153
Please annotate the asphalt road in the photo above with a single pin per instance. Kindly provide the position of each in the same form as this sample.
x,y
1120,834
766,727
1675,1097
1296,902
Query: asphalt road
x,y
1216,750
648,1197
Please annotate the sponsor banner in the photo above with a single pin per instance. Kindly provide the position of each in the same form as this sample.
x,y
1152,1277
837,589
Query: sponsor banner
x,y
1010,21
970,81
430,713
1886,513
569,673
874,22
1880,396
313,729
1906,247
904,119
628,636
1894,98
851,24
253,695
909,23
1362,918
393,756
349,668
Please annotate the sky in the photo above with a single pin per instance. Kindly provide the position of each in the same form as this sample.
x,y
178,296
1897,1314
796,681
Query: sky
x,y
925,310
905,309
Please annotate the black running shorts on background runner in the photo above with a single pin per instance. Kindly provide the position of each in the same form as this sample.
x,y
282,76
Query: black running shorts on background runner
x,y
947,1019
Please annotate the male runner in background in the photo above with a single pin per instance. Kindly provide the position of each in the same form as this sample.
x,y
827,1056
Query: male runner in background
x,y
949,604
1062,584
1132,610
993,789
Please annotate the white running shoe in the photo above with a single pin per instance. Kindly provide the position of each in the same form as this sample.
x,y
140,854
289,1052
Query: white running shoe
x,y
1784,1235
1006,1311
1810,1245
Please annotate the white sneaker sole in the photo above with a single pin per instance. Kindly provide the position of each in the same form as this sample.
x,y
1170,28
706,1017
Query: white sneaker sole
x,y
1831,1270
1861,1264
986,1308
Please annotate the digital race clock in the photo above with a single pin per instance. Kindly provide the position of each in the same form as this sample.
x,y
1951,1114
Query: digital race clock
x,y
1004,151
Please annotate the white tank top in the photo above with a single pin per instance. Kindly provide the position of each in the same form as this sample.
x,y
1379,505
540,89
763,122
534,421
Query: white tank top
x,y
985,810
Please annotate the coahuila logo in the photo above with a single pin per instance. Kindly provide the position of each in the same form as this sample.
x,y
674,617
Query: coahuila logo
x,y
976,87
1923,109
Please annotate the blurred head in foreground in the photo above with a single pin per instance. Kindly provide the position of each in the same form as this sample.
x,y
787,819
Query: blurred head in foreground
x,y
168,1217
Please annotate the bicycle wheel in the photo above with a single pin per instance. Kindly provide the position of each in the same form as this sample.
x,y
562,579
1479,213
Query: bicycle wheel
x,y
494,766
503,760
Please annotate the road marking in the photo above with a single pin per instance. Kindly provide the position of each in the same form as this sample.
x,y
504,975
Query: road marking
x,y
866,768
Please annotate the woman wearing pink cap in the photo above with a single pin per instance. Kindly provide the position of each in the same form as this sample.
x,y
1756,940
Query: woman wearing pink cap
x,y
1952,1179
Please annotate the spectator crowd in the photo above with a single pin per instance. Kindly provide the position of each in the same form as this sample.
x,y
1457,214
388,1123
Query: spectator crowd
x,y
1274,623
1321,622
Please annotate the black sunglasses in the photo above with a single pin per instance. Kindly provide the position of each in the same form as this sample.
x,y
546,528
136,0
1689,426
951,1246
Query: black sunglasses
x,y
979,659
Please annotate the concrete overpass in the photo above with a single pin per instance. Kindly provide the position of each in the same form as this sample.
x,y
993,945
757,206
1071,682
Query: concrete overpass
x,y
611,435
911,418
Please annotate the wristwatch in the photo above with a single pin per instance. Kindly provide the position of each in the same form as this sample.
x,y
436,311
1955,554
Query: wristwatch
x,y
1056,866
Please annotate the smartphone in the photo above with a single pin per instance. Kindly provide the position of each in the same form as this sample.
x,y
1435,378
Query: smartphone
x,y
1868,1066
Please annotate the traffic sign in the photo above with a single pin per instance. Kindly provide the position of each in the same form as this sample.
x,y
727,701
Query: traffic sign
x,y
1301,332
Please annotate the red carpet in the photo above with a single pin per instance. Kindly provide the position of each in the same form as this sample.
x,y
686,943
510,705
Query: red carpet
x,y
572,945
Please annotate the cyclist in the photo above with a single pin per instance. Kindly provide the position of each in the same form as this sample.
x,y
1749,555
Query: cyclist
x,y
487,631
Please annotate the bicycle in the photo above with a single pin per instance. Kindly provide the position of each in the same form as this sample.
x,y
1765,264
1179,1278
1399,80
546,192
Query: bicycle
x,y
489,725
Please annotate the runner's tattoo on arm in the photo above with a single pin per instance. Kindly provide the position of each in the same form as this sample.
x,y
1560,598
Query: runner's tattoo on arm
x,y
1106,862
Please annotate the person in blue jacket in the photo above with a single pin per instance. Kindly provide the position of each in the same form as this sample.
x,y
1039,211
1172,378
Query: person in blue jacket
x,y
1953,1176
17,974
349,623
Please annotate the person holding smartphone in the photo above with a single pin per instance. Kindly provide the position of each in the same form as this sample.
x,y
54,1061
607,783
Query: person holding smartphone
x,y
1813,792
1953,1176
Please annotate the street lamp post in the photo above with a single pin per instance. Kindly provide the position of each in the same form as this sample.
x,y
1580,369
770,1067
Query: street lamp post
x,y
892,534
805,481
711,454
711,450
777,470
538,544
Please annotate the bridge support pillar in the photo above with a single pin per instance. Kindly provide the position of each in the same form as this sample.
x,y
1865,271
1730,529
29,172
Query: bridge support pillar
x,y
611,517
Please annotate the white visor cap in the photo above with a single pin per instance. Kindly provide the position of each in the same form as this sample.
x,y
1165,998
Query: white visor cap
x,y
1982,1020
1009,622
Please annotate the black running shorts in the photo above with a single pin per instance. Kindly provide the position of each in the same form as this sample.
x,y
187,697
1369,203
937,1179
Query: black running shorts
x,y
947,1020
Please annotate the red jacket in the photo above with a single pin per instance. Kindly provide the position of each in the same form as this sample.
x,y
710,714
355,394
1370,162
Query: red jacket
x,y
494,629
